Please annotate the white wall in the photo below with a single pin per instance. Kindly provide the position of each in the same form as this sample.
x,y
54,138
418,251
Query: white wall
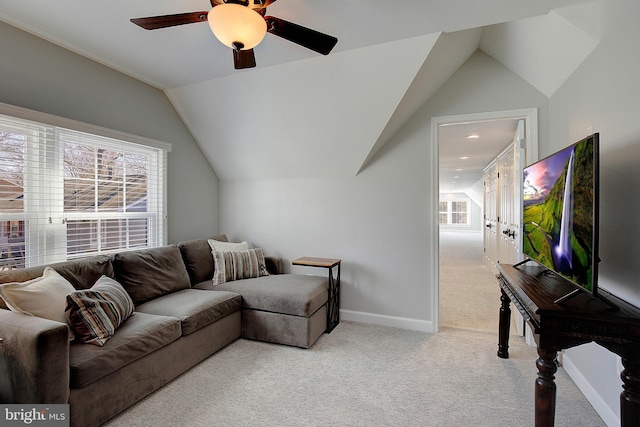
x,y
602,96
380,222
40,76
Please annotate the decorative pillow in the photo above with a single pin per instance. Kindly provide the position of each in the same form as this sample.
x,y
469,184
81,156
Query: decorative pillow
x,y
217,245
43,296
95,314
236,265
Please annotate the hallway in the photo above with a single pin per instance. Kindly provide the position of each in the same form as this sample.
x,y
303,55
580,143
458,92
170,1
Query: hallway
x,y
469,292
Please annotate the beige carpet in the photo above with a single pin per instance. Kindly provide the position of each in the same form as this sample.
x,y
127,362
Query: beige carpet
x,y
469,292
361,375
366,375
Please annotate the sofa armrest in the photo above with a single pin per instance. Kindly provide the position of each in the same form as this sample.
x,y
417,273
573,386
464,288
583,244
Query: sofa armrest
x,y
34,359
274,265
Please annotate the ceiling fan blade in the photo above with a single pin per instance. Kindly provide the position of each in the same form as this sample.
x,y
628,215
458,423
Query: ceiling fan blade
x,y
243,59
156,22
261,3
311,39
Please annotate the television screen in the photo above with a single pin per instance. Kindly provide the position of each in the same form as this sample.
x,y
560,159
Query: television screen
x,y
560,212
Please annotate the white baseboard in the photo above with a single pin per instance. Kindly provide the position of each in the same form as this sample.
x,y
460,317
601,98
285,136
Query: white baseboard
x,y
609,417
395,322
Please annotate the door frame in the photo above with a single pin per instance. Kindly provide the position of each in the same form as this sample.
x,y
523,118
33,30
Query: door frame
x,y
530,116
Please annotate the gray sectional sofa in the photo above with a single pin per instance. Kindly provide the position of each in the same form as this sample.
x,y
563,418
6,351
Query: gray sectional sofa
x,y
180,318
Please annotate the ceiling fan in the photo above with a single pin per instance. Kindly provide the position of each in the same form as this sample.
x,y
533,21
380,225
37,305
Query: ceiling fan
x,y
241,25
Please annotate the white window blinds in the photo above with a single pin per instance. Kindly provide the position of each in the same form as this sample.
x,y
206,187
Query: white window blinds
x,y
66,194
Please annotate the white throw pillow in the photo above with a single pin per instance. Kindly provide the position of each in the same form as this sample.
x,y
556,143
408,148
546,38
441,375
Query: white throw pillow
x,y
44,296
219,246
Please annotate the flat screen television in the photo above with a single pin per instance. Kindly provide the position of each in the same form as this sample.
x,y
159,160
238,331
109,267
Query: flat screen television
x,y
560,213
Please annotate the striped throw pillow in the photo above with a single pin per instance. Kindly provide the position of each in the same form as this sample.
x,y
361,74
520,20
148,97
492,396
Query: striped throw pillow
x,y
95,314
236,265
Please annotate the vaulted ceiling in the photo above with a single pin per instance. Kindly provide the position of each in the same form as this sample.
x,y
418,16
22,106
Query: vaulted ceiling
x,y
322,115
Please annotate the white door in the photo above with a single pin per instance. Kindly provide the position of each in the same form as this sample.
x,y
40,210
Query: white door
x,y
509,209
513,164
509,220
503,182
491,204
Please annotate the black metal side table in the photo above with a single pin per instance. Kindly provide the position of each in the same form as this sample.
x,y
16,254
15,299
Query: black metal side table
x,y
333,304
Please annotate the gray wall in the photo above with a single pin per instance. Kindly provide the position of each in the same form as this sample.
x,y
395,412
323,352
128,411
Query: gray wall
x,y
40,76
602,96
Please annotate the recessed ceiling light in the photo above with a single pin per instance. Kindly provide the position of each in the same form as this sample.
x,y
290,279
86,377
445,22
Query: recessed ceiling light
x,y
463,157
456,177
473,136
459,169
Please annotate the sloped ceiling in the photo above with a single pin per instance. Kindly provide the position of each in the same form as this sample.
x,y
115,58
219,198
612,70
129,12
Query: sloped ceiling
x,y
319,115
330,116
545,50
447,55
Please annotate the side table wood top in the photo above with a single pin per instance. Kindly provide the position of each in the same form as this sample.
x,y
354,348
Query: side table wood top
x,y
316,262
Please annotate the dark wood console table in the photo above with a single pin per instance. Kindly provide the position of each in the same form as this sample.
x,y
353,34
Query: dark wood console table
x,y
579,320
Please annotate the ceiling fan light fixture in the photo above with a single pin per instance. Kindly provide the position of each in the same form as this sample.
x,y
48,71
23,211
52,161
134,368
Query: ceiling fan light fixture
x,y
236,25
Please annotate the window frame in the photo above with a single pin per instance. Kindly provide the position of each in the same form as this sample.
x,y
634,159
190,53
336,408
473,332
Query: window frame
x,y
47,242
450,212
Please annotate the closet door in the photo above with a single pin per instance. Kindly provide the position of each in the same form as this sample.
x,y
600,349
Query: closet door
x,y
507,247
512,189
502,204
491,204
509,208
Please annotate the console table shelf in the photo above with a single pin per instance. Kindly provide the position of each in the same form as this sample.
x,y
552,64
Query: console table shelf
x,y
579,320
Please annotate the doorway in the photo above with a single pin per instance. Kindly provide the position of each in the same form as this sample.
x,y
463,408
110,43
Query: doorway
x,y
459,247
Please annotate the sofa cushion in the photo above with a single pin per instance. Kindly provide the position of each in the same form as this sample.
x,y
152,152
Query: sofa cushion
x,y
236,265
274,265
44,296
138,336
194,307
151,273
295,294
197,258
95,314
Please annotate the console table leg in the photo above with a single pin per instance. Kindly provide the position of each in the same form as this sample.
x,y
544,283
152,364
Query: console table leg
x,y
630,396
504,326
545,390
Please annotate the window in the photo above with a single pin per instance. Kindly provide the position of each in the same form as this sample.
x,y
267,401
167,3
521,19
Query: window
x,y
454,212
66,193
444,213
